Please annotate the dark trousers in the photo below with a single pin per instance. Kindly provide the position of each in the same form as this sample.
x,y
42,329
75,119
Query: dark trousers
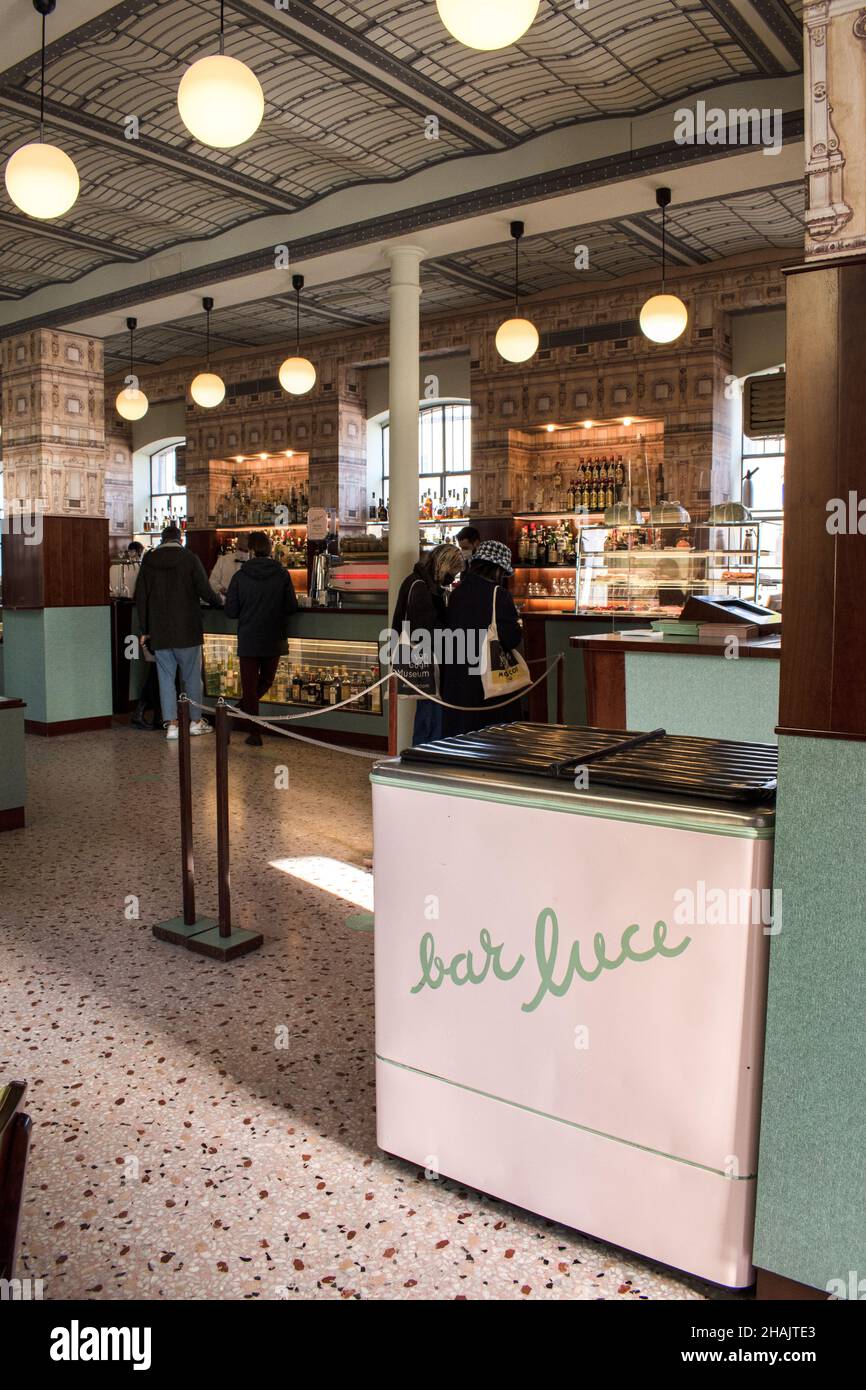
x,y
257,677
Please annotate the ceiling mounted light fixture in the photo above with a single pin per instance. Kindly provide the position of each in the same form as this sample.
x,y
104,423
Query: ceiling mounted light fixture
x,y
297,374
41,179
220,99
664,317
487,24
131,403
517,339
207,389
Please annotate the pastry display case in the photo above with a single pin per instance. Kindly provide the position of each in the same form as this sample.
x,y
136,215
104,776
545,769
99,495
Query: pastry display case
x,y
653,569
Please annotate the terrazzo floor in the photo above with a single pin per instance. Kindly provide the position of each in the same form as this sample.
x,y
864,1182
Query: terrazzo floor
x,y
204,1131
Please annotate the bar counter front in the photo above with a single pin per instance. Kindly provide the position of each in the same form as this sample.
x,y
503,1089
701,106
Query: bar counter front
x,y
643,679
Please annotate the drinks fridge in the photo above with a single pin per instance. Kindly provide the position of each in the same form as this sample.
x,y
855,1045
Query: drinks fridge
x,y
571,941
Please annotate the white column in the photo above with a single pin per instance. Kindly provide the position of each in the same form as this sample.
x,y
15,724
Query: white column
x,y
405,369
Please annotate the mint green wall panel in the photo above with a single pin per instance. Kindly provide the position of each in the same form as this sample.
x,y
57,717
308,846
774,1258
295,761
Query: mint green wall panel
x,y
706,696
24,659
58,660
77,663
811,1212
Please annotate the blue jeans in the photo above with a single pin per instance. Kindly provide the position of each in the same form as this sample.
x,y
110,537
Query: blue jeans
x,y
428,723
188,661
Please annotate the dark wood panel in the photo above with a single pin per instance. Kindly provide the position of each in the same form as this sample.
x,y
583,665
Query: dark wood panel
x,y
67,726
69,569
605,688
778,1288
848,708
811,479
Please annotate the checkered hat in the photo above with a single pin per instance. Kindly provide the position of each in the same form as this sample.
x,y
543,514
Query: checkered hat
x,y
496,554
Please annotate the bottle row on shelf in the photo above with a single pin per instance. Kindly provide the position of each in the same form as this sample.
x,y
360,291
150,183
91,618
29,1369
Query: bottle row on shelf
x,y
247,503
298,683
547,545
157,521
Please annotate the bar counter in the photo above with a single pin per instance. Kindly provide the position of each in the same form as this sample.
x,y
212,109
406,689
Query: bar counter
x,y
643,679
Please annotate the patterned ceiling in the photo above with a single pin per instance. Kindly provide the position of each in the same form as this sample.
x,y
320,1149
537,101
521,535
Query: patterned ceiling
x,y
762,219
348,88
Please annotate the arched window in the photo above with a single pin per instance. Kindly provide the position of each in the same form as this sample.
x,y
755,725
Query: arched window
x,y
444,456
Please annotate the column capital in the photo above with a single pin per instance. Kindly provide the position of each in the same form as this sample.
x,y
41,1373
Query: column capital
x,y
405,262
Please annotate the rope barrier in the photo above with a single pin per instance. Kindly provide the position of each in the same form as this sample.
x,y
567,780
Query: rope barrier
x,y
273,725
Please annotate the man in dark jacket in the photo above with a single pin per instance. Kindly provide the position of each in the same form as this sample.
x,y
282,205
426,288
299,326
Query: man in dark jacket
x,y
261,596
470,614
171,584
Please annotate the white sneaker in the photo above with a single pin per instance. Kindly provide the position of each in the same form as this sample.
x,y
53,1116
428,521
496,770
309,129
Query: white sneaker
x,y
172,732
200,726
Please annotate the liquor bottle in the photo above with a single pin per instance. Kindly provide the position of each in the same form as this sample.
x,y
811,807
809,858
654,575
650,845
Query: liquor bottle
x,y
552,550
372,508
608,495
569,498
523,546
533,546
660,482
382,514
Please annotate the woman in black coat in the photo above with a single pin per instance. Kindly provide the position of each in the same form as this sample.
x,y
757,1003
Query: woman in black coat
x,y
421,606
261,596
470,614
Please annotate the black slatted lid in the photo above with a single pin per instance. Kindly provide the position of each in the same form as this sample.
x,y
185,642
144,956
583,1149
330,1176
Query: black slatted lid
x,y
719,769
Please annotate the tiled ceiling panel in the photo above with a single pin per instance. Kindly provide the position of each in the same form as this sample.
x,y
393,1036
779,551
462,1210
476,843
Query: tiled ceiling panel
x,y
348,85
761,220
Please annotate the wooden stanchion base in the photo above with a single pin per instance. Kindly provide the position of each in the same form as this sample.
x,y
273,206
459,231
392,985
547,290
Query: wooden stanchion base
x,y
178,932
237,943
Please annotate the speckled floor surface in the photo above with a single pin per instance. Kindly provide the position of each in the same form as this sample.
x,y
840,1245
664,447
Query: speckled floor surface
x,y
207,1131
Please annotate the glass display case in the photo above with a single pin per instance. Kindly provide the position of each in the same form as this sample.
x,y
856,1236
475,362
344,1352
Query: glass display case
x,y
316,672
653,569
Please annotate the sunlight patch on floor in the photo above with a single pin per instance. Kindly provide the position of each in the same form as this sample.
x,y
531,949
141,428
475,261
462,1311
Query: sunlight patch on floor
x,y
344,881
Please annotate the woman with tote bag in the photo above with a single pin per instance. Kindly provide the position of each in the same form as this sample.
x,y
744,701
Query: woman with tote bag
x,y
483,621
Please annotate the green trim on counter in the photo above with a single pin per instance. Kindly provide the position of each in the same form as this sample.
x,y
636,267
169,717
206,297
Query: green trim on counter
x,y
569,1124
582,806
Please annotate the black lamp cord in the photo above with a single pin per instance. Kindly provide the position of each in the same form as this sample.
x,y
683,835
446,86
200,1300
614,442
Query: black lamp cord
x,y
298,321
222,26
42,89
131,356
517,277
664,245
207,339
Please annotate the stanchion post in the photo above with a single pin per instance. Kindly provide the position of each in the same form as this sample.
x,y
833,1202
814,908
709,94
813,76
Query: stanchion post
x,y
179,930
392,716
224,883
560,691
225,942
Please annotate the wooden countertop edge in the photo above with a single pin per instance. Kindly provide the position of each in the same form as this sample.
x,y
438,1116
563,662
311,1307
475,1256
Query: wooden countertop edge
x,y
769,649
11,703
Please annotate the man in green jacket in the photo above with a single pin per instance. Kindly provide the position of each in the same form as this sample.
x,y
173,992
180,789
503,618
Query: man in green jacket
x,y
171,587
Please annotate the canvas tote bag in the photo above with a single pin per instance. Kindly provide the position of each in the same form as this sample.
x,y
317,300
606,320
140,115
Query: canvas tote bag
x,y
502,673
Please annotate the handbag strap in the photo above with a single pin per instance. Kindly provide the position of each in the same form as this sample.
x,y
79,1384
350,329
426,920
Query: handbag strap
x,y
493,623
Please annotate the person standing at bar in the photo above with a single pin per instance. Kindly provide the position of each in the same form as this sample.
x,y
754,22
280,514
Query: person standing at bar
x,y
229,563
479,594
262,598
171,587
421,609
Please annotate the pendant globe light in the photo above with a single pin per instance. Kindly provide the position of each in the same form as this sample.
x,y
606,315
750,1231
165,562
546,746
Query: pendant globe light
x,y
297,374
207,389
220,99
664,317
517,339
131,403
487,24
41,179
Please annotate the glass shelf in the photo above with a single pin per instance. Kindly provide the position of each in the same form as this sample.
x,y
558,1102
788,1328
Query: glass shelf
x,y
315,673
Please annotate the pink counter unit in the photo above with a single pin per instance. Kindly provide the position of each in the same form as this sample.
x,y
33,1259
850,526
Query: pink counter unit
x,y
570,998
